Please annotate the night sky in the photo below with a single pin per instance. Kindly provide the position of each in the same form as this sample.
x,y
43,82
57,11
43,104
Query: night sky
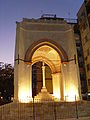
x,y
14,10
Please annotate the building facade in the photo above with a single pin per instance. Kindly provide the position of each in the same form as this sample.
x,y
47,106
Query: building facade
x,y
84,26
80,60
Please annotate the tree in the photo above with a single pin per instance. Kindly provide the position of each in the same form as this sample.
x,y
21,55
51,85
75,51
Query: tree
x,y
6,81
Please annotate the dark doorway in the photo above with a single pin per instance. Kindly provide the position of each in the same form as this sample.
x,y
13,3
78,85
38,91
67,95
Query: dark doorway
x,y
37,81
36,78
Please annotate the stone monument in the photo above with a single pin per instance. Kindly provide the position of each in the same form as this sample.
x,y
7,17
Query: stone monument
x,y
52,41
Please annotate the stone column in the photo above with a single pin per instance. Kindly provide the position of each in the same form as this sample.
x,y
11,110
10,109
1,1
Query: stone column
x,y
15,81
43,71
30,79
64,79
56,85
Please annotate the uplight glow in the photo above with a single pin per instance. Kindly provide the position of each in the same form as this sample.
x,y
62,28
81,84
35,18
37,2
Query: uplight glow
x,y
72,95
23,97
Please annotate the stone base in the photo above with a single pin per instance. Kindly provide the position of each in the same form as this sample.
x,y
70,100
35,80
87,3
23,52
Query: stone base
x,y
44,96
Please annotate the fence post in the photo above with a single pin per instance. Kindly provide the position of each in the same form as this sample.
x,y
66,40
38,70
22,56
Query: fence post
x,y
76,108
33,109
54,111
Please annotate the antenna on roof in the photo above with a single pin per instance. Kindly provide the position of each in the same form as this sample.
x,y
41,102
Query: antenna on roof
x,y
41,12
68,16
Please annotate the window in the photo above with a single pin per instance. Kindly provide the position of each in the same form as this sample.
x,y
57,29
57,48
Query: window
x,y
88,82
88,67
85,54
88,51
85,39
82,76
83,26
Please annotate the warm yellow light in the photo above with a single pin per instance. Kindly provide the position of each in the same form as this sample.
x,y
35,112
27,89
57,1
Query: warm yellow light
x,y
72,95
23,97
25,100
57,96
1,97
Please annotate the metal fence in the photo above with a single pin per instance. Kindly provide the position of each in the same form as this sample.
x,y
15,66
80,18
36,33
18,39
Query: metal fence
x,y
43,111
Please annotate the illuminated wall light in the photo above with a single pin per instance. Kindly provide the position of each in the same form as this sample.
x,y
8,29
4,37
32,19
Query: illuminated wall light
x,y
71,98
72,95
25,100
1,97
56,95
37,100
23,96
12,98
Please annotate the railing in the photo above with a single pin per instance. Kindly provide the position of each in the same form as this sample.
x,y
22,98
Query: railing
x,y
45,111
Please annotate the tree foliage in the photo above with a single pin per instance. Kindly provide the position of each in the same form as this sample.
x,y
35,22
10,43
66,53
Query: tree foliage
x,y
6,81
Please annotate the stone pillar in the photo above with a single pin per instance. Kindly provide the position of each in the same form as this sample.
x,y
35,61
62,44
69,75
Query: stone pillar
x,y
24,82
43,71
64,79
61,87
30,79
15,81
56,85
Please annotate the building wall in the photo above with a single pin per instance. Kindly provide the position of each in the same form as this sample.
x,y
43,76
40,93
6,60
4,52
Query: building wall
x,y
81,64
84,23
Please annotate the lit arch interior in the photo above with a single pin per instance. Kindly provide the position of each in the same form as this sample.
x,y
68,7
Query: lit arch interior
x,y
49,56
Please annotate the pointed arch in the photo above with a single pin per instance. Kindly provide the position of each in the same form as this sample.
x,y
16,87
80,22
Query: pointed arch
x,y
41,42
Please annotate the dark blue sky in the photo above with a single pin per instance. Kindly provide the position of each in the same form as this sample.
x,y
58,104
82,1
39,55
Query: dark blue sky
x,y
14,10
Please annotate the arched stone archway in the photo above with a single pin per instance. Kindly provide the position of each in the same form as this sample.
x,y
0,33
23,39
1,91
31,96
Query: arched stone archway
x,y
48,54
44,59
32,48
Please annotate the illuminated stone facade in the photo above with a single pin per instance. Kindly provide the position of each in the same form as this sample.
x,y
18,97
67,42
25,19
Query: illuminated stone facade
x,y
51,41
